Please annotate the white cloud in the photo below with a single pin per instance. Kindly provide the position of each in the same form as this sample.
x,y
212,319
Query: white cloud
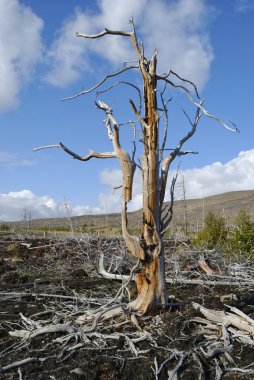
x,y
177,29
111,200
244,6
217,178
9,159
66,55
237,174
20,49
14,204
111,177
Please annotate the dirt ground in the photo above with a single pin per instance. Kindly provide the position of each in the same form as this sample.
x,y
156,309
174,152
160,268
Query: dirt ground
x,y
52,280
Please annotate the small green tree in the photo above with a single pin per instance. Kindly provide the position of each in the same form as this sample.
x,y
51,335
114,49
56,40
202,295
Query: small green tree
x,y
242,235
214,232
4,227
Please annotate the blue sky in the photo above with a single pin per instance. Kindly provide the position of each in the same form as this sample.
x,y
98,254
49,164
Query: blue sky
x,y
41,62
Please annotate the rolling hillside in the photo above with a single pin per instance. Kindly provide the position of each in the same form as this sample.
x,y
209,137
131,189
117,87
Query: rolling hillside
x,y
227,204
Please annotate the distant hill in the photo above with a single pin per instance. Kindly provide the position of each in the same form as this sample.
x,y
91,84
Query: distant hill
x,y
227,204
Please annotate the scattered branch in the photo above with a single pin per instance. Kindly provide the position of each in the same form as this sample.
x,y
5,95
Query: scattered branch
x,y
182,79
211,116
47,147
167,218
91,154
128,84
101,82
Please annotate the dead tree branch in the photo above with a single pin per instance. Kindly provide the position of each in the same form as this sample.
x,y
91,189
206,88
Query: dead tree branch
x,y
100,83
177,151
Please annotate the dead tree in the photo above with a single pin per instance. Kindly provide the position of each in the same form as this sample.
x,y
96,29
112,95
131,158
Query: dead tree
x,y
154,165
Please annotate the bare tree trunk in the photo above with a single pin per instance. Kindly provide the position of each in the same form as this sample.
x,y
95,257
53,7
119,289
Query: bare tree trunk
x,y
151,285
150,281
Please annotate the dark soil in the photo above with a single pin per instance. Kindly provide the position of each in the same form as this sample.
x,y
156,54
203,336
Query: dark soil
x,y
67,267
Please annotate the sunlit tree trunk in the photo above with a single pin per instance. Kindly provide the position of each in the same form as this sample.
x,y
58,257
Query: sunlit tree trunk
x,y
151,284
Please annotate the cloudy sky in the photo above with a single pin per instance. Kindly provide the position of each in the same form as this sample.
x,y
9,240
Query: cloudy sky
x,y
42,62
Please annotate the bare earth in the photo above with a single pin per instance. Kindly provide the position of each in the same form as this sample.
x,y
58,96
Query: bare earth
x,y
59,282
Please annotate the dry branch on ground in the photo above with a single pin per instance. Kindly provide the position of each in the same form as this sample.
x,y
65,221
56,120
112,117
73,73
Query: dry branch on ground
x,y
49,313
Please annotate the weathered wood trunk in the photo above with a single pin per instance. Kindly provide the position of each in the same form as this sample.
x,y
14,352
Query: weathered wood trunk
x,y
150,281
151,285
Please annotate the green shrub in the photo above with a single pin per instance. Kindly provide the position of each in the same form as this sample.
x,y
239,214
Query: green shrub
x,y
4,227
214,232
242,236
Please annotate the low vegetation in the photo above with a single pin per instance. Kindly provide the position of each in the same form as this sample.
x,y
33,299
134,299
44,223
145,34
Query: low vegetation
x,y
4,227
241,238
237,238
214,232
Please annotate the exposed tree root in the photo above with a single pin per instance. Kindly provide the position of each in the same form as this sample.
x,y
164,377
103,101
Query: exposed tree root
x,y
86,337
221,330
59,328
108,326
220,318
